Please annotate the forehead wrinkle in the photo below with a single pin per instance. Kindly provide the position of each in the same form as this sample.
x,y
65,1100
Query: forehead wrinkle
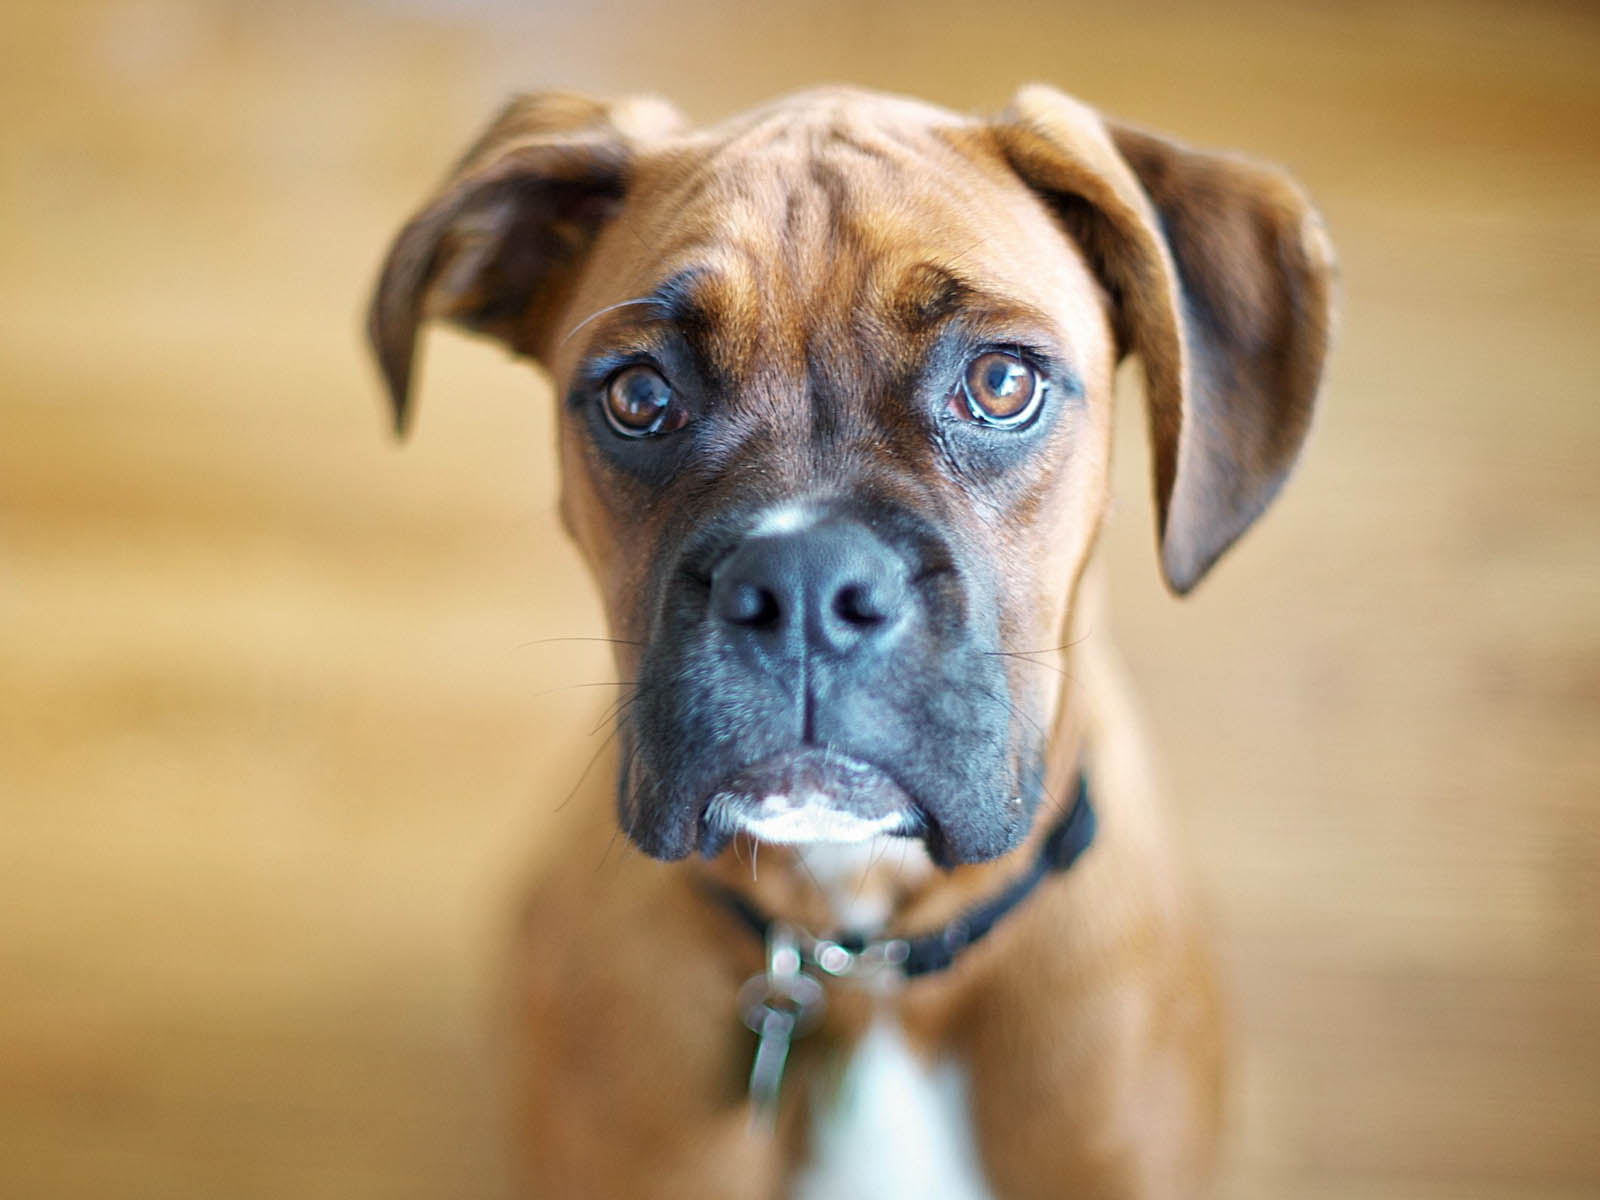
x,y
805,185
815,211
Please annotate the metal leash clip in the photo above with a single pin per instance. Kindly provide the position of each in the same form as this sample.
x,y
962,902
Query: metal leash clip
x,y
777,1006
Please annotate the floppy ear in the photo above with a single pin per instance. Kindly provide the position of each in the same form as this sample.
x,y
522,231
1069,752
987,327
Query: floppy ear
x,y
499,246
1220,273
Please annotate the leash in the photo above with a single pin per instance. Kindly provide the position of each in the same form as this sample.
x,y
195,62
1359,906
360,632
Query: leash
x,y
786,1000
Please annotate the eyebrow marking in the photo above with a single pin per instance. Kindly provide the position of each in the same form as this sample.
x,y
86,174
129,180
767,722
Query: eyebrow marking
x,y
673,296
929,293
935,300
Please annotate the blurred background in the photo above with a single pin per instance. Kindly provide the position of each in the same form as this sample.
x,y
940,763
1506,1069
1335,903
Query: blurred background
x,y
278,737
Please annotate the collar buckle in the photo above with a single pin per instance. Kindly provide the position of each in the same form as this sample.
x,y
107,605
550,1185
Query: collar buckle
x,y
890,961
872,959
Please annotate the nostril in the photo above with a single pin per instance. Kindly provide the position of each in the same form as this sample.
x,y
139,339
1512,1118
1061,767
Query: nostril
x,y
856,605
749,604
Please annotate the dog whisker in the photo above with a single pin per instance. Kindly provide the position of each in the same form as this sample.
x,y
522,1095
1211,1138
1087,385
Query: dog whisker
x,y
1052,804
572,687
800,861
865,873
610,845
551,640
614,711
1032,656
594,316
1032,662
589,766
1077,641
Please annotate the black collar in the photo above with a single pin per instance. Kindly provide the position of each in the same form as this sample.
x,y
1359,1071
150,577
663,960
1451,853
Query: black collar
x,y
850,954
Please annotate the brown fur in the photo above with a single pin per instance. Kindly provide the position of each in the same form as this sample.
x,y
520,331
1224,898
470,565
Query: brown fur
x,y
826,235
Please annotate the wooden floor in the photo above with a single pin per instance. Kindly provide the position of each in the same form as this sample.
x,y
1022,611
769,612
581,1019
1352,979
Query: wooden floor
x,y
278,732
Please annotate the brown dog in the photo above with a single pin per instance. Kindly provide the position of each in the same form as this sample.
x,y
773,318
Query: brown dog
x,y
835,383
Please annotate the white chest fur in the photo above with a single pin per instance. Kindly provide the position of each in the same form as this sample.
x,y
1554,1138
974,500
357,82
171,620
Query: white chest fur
x,y
892,1126
888,1124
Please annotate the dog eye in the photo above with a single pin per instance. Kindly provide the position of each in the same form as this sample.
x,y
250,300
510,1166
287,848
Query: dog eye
x,y
639,403
999,389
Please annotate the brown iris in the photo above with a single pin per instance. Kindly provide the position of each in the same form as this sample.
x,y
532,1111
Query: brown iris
x,y
638,403
1000,389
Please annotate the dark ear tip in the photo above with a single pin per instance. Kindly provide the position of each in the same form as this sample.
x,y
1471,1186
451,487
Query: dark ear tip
x,y
397,385
400,413
1183,567
393,345
1180,586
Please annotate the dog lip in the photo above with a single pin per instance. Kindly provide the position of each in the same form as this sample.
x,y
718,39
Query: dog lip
x,y
806,796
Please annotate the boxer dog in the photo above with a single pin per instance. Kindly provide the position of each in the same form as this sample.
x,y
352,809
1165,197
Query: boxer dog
x,y
835,389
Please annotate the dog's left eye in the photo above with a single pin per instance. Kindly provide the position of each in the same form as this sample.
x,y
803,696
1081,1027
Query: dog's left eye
x,y
1000,389
638,403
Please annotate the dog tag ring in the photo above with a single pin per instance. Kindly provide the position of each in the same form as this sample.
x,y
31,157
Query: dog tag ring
x,y
777,1006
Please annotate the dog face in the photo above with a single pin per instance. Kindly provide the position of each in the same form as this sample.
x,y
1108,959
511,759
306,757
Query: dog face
x,y
835,390
870,382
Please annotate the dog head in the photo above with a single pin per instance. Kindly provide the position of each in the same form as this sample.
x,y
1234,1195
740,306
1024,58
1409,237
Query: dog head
x,y
835,386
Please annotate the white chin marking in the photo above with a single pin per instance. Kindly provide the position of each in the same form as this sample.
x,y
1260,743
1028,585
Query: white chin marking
x,y
812,820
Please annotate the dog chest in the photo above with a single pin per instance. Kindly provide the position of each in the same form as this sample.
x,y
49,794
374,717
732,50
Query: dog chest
x,y
890,1124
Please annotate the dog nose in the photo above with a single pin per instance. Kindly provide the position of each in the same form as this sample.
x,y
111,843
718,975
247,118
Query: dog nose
x,y
833,587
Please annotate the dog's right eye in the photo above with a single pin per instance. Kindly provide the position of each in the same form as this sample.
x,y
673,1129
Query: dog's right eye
x,y
999,389
639,403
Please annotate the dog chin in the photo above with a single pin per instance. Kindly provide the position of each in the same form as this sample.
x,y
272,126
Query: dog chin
x,y
808,797
791,821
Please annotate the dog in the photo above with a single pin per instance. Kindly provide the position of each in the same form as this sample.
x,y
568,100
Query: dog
x,y
835,391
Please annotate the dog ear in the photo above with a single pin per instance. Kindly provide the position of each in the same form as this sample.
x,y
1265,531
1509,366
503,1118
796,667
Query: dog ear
x,y
499,246
1220,275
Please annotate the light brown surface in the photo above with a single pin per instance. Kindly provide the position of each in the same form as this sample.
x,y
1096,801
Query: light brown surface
x,y
276,733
